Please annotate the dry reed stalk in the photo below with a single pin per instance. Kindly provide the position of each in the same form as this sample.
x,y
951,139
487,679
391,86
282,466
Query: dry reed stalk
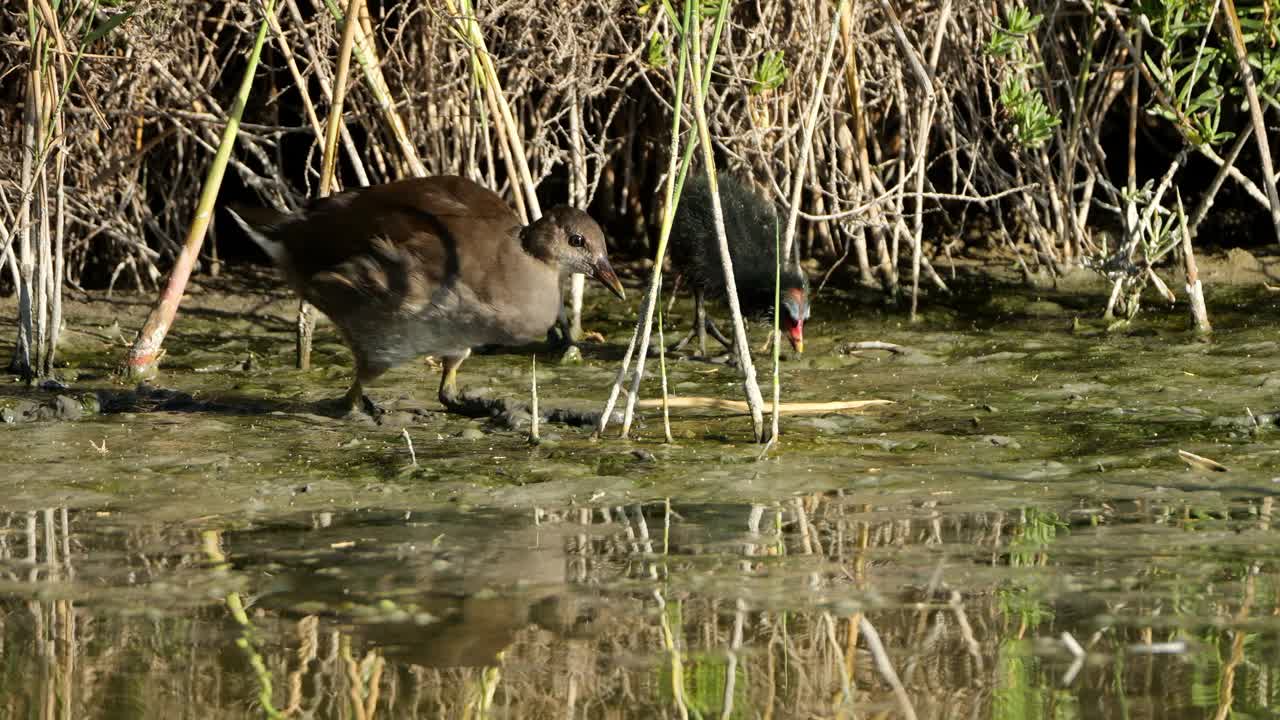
x,y
6,245
53,288
328,165
309,108
662,373
24,352
489,75
924,79
41,220
925,127
367,55
144,356
751,385
326,87
885,263
1131,207
1229,162
777,334
578,193
1256,112
640,336
738,406
1195,290
488,111
810,123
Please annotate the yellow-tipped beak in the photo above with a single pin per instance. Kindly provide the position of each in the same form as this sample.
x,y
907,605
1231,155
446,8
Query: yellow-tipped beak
x,y
603,272
796,336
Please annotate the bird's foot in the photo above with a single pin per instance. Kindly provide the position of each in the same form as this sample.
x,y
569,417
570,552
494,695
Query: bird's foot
x,y
730,359
361,409
448,396
677,347
685,351
571,355
562,337
563,343
471,404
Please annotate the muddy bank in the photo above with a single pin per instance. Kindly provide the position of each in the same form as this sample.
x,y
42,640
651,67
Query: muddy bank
x,y
1035,478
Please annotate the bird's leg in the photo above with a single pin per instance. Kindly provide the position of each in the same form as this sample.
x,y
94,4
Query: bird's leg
x,y
700,321
675,288
768,343
685,341
563,328
353,401
715,333
568,337
449,378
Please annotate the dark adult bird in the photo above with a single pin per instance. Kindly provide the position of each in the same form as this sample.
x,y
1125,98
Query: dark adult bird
x,y
434,265
751,227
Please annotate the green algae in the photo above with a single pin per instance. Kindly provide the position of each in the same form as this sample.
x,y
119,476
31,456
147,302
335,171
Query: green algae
x,y
1007,418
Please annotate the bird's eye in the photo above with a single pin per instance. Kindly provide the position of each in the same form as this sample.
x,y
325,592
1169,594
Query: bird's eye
x,y
576,240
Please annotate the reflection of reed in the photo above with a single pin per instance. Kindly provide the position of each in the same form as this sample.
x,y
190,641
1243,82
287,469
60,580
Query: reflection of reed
x,y
811,607
1227,682
248,640
53,630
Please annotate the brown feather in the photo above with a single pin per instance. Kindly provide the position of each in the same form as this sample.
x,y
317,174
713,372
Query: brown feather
x,y
427,266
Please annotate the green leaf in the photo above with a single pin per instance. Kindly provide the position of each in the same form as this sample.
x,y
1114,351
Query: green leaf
x,y
770,73
112,23
657,55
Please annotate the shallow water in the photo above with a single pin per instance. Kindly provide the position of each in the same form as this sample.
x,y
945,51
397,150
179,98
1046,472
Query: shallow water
x,y
1018,531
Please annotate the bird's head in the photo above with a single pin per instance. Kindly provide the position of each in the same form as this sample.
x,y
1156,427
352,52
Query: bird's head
x,y
571,240
795,310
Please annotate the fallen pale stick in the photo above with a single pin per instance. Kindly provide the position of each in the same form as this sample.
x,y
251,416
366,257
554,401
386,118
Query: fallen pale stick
x,y
1201,462
872,345
740,406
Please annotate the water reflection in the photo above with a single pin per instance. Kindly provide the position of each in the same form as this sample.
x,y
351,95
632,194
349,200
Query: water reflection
x,y
824,605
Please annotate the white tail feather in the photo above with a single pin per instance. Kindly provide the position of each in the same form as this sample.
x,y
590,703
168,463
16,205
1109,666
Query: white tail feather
x,y
273,248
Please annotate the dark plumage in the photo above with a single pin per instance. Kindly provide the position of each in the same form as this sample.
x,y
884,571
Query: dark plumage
x,y
433,266
752,229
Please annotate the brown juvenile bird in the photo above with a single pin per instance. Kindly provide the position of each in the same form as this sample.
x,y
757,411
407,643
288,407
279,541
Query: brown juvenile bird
x,y
434,265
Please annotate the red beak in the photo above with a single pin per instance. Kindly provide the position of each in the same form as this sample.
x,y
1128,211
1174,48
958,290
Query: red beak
x,y
795,333
794,325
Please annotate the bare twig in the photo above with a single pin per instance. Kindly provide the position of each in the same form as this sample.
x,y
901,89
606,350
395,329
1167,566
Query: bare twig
x,y
146,352
738,406
1195,291
1256,112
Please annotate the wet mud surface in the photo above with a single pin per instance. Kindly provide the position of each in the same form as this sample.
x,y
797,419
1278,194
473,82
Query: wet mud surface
x,y
1017,535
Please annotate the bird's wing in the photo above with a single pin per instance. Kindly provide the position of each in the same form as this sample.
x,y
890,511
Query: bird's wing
x,y
398,245
473,234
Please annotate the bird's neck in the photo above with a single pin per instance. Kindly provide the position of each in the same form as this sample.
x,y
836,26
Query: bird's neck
x,y
529,243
